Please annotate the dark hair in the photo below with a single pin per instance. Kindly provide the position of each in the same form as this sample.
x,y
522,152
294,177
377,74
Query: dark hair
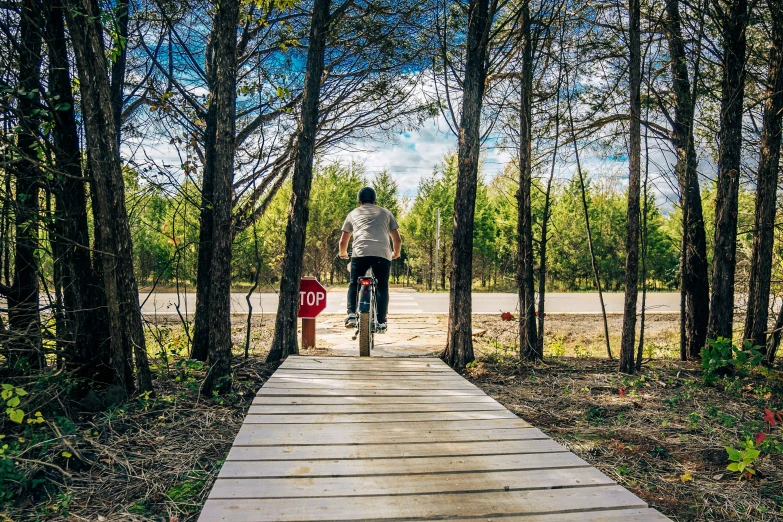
x,y
366,195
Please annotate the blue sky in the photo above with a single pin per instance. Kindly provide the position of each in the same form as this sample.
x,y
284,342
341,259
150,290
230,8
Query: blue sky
x,y
411,155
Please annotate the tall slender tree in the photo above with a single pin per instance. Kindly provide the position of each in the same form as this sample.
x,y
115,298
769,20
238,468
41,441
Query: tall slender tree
x,y
85,335
23,306
528,343
766,189
120,59
627,344
459,347
733,19
222,113
285,341
693,264
121,289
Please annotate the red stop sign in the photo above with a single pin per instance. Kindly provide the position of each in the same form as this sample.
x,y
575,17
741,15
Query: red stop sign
x,y
312,298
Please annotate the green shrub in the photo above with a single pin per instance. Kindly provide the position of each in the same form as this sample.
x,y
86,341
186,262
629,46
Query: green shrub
x,y
720,359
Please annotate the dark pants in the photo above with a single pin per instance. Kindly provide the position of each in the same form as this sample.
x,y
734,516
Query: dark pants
x,y
380,268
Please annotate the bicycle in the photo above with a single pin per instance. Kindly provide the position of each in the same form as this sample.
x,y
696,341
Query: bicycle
x,y
367,308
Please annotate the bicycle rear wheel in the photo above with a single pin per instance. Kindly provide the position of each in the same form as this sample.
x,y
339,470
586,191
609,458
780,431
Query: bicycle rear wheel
x,y
365,335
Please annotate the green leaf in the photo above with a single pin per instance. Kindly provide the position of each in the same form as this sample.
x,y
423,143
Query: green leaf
x,y
16,416
751,455
733,454
6,394
733,467
7,387
20,392
66,454
13,402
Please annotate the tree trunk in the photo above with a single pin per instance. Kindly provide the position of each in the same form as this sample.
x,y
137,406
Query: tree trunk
x,y
121,14
545,221
628,341
85,334
223,102
528,343
23,306
766,190
285,342
773,341
122,295
729,155
200,348
644,239
694,281
459,347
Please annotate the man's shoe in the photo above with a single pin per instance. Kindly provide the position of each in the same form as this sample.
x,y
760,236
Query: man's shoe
x,y
350,321
380,328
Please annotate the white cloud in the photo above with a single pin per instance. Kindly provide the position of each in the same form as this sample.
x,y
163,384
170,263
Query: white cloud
x,y
412,155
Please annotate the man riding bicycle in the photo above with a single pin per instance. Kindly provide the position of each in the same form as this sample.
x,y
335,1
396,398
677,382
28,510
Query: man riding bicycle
x,y
371,226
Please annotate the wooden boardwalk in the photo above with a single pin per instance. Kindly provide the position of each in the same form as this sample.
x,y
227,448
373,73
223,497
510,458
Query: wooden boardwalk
x,y
348,438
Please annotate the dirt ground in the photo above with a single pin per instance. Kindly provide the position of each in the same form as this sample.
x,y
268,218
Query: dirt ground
x,y
661,434
583,335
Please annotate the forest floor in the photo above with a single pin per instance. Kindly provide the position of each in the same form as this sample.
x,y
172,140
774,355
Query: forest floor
x,y
661,433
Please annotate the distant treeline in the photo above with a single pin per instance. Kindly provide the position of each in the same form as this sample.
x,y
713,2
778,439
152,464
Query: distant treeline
x,y
165,232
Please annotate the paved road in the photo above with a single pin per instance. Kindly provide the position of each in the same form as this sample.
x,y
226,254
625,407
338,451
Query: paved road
x,y
403,302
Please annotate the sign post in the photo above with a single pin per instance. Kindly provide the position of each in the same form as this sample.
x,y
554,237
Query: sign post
x,y
312,301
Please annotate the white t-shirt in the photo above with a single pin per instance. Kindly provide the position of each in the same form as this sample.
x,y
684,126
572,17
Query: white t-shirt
x,y
370,225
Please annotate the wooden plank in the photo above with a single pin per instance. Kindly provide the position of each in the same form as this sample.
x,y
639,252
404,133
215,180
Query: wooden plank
x,y
380,370
386,380
390,363
353,367
367,375
372,369
261,416
378,430
370,438
260,407
479,504
379,451
407,484
425,400
305,392
625,515
413,384
385,364
341,360
402,465
295,434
